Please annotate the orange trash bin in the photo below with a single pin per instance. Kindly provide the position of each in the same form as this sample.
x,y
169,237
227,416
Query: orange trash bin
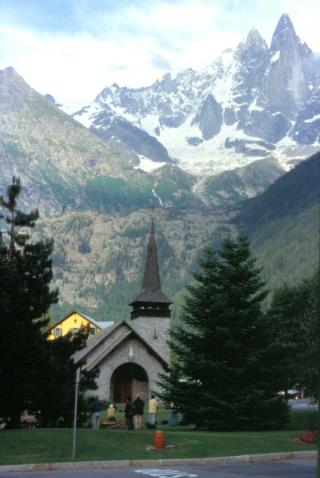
x,y
158,439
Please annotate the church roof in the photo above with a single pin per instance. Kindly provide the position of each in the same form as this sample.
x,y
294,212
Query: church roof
x,y
109,339
151,286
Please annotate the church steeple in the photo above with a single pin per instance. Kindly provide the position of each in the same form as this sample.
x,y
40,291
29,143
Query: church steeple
x,y
151,301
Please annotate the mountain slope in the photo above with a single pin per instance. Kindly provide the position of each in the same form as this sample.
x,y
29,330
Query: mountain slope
x,y
64,167
233,187
99,258
284,224
53,154
251,103
291,194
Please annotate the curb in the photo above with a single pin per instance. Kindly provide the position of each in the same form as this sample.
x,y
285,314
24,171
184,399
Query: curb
x,y
224,460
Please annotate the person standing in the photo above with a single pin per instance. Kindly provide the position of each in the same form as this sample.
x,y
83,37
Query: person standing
x,y
95,417
173,415
111,413
128,413
153,408
138,408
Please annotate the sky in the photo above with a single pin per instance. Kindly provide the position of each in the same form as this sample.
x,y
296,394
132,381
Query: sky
x,y
72,49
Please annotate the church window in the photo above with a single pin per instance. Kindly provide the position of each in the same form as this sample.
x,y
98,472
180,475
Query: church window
x,y
92,331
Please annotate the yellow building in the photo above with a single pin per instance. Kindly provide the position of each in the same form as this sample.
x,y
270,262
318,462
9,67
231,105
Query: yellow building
x,y
73,323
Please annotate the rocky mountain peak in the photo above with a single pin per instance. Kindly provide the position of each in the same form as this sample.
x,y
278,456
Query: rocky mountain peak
x,y
254,38
14,91
290,69
241,106
209,117
284,34
9,75
252,56
51,100
188,73
9,71
252,47
166,83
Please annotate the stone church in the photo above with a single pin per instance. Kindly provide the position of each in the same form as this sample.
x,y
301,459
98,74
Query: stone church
x,y
130,356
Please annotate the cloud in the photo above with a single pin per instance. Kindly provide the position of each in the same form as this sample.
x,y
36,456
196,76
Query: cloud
x,y
74,49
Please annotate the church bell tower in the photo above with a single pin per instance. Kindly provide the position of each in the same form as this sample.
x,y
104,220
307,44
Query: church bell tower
x,y
150,315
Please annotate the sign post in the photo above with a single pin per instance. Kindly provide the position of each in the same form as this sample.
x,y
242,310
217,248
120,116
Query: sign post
x,y
75,414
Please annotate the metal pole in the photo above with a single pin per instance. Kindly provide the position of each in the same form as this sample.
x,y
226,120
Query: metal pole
x,y
318,351
75,414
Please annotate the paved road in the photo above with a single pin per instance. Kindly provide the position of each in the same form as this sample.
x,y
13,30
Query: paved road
x,y
287,469
302,404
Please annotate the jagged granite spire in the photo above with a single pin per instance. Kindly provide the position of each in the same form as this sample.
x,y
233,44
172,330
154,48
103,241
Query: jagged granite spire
x,y
254,38
284,34
151,287
290,71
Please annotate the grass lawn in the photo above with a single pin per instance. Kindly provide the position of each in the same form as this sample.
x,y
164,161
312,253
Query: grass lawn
x,y
303,420
54,445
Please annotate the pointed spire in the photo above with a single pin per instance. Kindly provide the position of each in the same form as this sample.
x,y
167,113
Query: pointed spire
x,y
284,34
151,286
254,38
151,276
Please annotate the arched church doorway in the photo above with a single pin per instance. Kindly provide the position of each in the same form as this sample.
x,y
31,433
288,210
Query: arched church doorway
x,y
127,381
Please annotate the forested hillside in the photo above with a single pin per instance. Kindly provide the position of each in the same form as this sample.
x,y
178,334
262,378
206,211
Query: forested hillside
x,y
283,224
291,194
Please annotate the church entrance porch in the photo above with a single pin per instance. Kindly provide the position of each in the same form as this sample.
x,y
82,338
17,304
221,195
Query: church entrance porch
x,y
127,381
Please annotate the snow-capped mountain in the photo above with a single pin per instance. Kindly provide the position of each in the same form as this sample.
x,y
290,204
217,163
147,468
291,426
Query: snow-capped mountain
x,y
251,103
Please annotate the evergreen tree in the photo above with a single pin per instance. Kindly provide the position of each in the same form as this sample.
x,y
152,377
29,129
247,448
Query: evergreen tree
x,y
295,321
55,398
227,369
25,297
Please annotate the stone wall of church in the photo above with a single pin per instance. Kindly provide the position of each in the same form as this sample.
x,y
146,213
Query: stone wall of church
x,y
155,331
130,350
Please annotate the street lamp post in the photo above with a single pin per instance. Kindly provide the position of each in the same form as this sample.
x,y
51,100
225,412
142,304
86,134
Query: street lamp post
x,y
75,414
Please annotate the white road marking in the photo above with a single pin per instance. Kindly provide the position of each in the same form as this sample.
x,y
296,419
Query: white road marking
x,y
165,473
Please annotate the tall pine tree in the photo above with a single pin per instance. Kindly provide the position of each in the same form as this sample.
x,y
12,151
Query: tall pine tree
x,y
294,316
227,369
25,297
55,397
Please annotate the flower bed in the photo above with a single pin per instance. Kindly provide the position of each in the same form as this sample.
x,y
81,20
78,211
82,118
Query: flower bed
x,y
309,437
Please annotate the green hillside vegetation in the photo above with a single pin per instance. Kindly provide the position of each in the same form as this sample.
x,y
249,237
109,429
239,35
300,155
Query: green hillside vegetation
x,y
173,195
289,195
180,177
232,187
52,153
99,258
283,225
106,193
288,248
